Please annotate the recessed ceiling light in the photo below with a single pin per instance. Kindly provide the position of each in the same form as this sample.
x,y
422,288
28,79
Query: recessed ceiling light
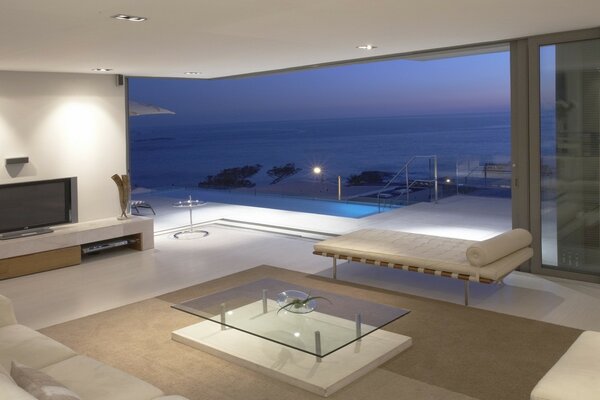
x,y
192,73
366,47
132,18
102,69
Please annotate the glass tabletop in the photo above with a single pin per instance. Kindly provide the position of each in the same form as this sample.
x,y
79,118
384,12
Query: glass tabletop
x,y
189,203
280,312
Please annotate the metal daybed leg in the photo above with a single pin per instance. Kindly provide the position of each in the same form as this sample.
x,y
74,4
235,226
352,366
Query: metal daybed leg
x,y
334,268
466,293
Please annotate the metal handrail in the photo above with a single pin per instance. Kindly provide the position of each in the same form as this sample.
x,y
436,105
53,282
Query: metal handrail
x,y
409,185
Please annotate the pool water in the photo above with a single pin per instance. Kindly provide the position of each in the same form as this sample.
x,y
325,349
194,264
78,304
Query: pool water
x,y
314,206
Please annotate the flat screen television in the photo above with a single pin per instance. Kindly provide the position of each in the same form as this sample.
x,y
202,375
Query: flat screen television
x,y
29,208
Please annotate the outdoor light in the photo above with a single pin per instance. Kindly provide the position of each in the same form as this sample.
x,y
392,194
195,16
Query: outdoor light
x,y
131,18
448,180
366,47
318,171
102,69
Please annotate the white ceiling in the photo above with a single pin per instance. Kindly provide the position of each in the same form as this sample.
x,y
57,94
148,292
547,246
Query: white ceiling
x,y
232,37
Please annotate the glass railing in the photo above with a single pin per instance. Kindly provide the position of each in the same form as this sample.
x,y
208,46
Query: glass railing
x,y
484,176
361,194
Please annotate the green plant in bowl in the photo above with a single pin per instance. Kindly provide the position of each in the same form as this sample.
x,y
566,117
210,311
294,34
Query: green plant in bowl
x,y
298,302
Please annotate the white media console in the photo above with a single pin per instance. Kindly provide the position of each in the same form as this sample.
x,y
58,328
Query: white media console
x,y
64,246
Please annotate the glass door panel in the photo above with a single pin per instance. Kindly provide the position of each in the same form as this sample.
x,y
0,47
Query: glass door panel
x,y
570,162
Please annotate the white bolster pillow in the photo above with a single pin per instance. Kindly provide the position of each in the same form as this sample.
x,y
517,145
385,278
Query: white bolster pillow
x,y
487,251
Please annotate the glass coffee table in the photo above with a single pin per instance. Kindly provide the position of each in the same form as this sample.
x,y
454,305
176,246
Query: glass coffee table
x,y
255,323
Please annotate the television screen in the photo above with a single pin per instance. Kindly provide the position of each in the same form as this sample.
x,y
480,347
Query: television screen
x,y
36,204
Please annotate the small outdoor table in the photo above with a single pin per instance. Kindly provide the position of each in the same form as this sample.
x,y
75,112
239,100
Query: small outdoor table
x,y
190,204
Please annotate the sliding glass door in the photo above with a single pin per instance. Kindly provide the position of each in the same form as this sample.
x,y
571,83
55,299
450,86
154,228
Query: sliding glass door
x,y
568,166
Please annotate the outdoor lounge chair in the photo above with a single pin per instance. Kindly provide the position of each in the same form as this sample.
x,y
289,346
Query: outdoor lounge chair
x,y
137,204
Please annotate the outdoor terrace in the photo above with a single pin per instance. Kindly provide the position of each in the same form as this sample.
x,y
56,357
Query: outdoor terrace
x,y
460,216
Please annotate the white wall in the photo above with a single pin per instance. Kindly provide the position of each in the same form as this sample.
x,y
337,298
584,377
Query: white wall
x,y
68,125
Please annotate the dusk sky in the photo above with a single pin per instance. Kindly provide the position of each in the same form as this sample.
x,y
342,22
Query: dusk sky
x,y
384,88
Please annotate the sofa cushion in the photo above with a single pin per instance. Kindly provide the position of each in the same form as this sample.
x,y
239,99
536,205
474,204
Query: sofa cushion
x,y
92,380
10,390
575,375
4,372
7,315
29,347
40,384
171,397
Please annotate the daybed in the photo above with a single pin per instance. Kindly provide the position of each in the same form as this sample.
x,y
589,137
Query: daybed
x,y
87,378
575,375
485,261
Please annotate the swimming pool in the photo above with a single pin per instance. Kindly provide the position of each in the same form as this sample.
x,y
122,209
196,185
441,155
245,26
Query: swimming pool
x,y
314,206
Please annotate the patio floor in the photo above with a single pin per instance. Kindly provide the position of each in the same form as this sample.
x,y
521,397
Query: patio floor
x,y
466,217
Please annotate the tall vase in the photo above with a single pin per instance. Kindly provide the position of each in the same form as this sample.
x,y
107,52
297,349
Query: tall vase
x,y
124,187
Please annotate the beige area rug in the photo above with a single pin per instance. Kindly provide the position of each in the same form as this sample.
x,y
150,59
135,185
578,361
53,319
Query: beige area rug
x,y
458,352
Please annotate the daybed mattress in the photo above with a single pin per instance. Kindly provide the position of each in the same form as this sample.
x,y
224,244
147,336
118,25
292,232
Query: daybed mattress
x,y
421,251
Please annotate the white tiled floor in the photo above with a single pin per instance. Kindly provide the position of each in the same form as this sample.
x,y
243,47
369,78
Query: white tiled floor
x,y
116,278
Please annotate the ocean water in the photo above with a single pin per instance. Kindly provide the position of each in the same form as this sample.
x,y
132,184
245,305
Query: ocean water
x,y
185,155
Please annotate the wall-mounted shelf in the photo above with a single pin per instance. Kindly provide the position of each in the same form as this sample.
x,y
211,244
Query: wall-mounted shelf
x,y
17,160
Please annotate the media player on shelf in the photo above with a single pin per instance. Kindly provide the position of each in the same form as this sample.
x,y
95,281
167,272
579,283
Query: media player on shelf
x,y
110,244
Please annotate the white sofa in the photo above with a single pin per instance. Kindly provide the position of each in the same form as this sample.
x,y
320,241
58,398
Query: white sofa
x,y
88,378
576,375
